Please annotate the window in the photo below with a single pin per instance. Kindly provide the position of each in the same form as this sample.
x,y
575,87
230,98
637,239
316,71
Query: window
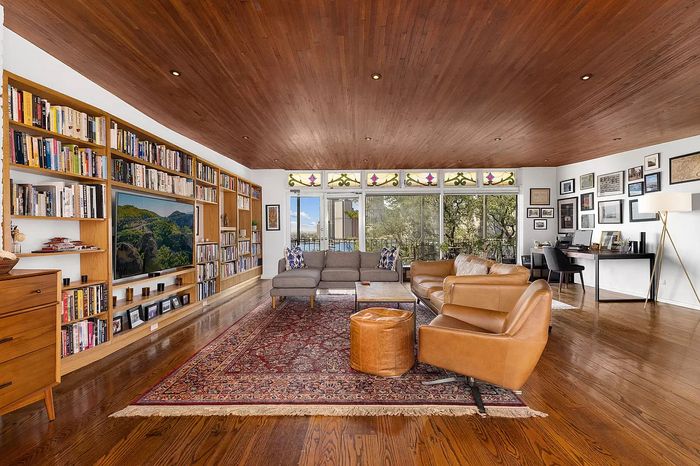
x,y
498,178
418,179
411,222
382,180
305,222
459,179
343,180
307,180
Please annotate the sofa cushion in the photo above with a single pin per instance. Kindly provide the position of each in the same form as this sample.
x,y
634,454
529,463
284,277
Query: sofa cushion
x,y
340,275
426,278
374,274
425,288
437,299
343,260
369,260
297,278
294,257
315,259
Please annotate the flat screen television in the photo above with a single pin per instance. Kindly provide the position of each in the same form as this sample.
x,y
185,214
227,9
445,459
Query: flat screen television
x,y
150,234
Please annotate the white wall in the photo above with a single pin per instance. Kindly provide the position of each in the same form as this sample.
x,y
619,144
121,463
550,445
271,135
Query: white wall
x,y
632,276
535,177
273,183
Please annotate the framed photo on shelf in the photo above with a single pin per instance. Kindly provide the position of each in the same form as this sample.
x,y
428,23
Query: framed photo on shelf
x,y
540,224
635,173
534,212
587,181
568,214
610,239
635,189
134,315
540,196
185,299
651,162
610,212
684,168
166,305
547,212
272,217
117,324
150,311
611,184
567,186
636,216
652,182
587,221
587,201
175,302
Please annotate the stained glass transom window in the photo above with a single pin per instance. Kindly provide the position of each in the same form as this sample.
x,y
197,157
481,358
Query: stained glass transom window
x,y
459,179
379,180
343,180
498,178
307,180
417,179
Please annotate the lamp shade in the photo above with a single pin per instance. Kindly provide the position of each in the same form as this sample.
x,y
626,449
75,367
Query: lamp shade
x,y
666,202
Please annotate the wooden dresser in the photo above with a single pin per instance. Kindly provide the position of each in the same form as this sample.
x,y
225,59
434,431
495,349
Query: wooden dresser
x,y
29,338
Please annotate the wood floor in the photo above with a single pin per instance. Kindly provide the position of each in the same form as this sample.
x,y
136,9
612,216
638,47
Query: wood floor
x,y
620,385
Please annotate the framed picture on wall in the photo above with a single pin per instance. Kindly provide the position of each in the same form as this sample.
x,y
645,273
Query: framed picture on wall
x,y
568,214
635,173
567,186
610,239
652,182
540,196
684,168
636,216
533,212
635,189
587,202
272,217
611,184
587,181
587,221
651,162
547,212
610,212
540,224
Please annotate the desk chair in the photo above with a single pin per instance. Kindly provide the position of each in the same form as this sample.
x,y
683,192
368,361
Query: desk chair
x,y
558,262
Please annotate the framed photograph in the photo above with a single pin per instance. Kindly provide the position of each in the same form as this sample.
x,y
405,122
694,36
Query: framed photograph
x,y
652,182
540,224
185,299
567,186
611,184
175,302
684,168
651,162
117,324
587,221
166,306
587,181
547,212
635,173
534,212
568,214
134,315
636,216
635,189
587,202
150,311
610,240
540,196
197,220
272,217
610,212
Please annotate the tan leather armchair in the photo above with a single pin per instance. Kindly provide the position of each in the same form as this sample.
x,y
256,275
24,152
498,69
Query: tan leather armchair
x,y
496,347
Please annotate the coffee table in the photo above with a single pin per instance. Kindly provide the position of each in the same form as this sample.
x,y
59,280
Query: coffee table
x,y
384,292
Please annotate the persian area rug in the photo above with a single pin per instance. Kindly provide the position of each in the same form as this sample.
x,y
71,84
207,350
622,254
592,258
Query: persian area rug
x,y
295,361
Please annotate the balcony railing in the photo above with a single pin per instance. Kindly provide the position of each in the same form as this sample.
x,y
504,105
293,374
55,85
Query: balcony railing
x,y
500,250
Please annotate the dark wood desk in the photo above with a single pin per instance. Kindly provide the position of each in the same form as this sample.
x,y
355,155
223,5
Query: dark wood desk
x,y
597,256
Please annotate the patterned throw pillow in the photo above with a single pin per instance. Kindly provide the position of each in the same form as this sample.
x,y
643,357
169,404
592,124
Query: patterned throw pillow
x,y
294,257
462,264
387,258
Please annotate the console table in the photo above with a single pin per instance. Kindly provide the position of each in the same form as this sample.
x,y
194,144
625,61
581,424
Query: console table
x,y
597,257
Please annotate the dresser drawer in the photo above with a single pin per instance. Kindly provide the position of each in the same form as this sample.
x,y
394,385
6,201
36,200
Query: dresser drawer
x,y
23,293
27,374
26,332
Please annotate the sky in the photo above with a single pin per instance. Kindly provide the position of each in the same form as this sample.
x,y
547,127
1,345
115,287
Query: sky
x,y
310,213
162,207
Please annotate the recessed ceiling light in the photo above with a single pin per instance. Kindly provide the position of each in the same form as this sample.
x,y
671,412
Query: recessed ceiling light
x,y
275,160
497,139
367,138
376,76
246,137
365,160
175,72
586,77
617,139
546,160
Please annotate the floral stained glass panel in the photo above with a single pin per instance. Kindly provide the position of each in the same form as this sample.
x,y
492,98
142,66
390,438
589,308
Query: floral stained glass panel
x,y
382,180
306,180
460,179
343,180
498,178
418,179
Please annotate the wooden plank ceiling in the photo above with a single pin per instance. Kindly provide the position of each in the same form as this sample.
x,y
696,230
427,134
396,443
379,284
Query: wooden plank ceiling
x,y
287,84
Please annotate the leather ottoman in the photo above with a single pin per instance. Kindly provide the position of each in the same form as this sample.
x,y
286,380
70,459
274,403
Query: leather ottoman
x,y
381,341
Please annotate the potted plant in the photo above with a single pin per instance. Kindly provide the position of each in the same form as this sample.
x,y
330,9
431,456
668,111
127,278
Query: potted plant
x,y
255,225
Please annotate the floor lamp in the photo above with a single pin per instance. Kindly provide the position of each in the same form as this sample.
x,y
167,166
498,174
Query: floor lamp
x,y
663,204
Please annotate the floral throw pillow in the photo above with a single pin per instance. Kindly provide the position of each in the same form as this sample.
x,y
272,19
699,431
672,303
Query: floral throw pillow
x,y
387,258
294,257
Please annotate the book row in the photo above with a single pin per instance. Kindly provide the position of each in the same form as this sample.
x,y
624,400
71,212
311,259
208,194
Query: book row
x,y
129,143
141,176
82,335
206,173
244,263
228,253
243,203
51,154
244,247
243,188
228,238
33,110
256,193
83,302
207,252
227,181
255,249
228,269
58,200
255,236
207,271
206,289
206,193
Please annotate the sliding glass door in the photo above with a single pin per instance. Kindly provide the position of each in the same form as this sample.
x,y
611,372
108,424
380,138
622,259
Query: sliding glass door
x,y
325,222
305,222
343,222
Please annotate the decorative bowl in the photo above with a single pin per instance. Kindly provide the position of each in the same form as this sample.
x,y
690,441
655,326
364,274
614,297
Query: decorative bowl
x,y
6,265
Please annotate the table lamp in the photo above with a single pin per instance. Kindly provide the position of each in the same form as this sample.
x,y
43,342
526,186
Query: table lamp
x,y
663,203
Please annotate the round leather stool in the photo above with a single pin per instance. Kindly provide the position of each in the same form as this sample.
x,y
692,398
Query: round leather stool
x,y
381,341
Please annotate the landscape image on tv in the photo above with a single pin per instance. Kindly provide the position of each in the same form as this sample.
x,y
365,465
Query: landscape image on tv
x,y
151,234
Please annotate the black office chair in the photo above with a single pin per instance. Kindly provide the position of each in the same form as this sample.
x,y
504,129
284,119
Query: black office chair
x,y
558,262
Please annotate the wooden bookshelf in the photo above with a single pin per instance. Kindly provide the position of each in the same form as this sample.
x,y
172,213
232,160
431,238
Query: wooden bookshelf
x,y
61,253
97,264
